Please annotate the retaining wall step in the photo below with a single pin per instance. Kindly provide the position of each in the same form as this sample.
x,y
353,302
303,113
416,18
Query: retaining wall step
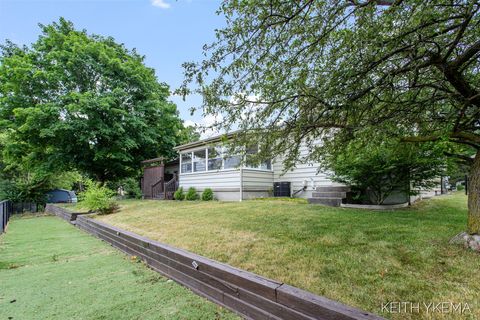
x,y
332,194
249,295
332,189
332,202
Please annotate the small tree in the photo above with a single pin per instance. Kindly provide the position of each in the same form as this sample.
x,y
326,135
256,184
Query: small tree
x,y
207,194
179,194
377,169
192,194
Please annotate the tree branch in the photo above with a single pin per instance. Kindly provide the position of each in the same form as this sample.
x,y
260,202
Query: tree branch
x,y
467,55
461,157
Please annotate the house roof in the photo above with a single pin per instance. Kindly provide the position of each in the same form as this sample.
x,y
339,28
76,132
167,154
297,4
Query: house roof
x,y
162,160
206,141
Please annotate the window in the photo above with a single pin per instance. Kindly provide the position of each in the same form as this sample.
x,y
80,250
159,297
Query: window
x,y
251,162
199,160
250,156
232,161
215,158
266,165
186,162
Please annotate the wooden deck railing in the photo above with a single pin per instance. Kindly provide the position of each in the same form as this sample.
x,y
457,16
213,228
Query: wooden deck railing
x,y
170,188
158,189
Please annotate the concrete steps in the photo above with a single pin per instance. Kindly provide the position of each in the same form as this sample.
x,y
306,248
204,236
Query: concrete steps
x,y
329,195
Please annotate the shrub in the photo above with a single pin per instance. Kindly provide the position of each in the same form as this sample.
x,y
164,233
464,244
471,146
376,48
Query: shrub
x,y
179,194
376,169
131,188
192,194
207,195
98,198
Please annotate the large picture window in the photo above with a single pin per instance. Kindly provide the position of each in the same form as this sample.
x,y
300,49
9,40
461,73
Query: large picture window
x,y
250,154
199,161
186,162
215,158
251,162
232,162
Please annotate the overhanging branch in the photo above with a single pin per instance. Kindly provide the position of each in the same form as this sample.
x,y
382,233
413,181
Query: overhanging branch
x,y
420,139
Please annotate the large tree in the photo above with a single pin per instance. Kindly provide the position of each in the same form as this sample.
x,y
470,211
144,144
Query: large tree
x,y
75,100
293,71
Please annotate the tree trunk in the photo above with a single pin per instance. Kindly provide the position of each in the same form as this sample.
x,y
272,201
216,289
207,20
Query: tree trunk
x,y
474,197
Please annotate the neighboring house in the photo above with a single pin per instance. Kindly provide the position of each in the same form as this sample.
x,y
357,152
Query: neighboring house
x,y
205,164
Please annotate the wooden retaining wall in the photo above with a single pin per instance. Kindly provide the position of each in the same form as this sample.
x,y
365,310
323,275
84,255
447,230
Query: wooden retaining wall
x,y
63,213
248,294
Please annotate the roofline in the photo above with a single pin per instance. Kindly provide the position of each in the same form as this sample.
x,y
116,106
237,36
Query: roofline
x,y
160,159
203,142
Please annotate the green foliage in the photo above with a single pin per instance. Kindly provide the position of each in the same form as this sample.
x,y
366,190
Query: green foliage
x,y
192,194
377,168
179,194
130,186
66,180
189,134
207,194
341,71
31,185
76,100
299,73
98,198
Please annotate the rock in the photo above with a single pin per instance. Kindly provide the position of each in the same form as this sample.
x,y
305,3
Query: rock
x,y
460,238
471,241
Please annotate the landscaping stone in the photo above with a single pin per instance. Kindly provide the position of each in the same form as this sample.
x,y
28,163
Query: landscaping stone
x,y
471,241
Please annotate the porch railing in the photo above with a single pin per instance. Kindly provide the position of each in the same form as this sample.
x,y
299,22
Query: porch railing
x,y
170,188
158,189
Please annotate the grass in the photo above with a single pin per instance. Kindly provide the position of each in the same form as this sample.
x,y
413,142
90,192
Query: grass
x,y
51,270
361,258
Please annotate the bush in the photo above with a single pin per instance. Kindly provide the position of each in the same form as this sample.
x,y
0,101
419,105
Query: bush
x,y
131,188
192,194
98,198
207,195
179,194
376,169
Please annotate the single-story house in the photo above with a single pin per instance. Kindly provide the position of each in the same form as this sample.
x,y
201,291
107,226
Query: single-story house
x,y
207,164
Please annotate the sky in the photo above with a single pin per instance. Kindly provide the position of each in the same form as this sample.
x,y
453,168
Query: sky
x,y
167,32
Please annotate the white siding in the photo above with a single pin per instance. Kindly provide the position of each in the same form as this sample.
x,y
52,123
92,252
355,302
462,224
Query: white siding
x,y
303,172
257,180
226,183
216,180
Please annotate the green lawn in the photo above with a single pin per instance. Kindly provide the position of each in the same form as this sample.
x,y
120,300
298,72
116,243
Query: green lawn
x,y
51,270
361,258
